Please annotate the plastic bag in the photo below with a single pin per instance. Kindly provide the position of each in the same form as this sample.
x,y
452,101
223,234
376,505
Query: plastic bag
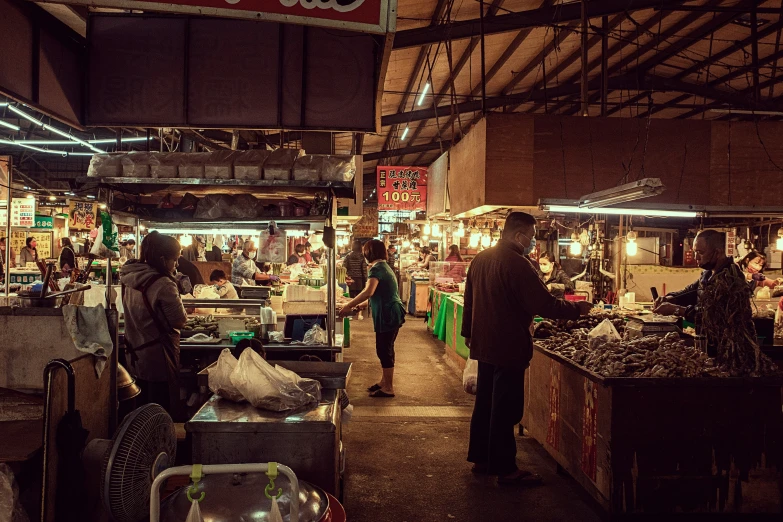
x,y
205,292
470,377
214,206
194,514
338,168
220,164
106,244
10,508
249,164
308,168
310,386
265,387
246,206
220,377
274,512
602,333
105,165
764,293
315,335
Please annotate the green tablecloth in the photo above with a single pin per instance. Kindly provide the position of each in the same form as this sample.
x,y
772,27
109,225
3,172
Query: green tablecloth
x,y
446,322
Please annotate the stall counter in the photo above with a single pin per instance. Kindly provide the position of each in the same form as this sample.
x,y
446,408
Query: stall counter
x,y
445,322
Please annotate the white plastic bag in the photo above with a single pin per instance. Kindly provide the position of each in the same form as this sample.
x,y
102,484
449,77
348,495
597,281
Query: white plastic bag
x,y
315,335
470,377
310,386
604,332
220,377
194,515
11,509
265,387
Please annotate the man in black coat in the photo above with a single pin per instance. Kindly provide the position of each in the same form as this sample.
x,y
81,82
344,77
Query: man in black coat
x,y
502,295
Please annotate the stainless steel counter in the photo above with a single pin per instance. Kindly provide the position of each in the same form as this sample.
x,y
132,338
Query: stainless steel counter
x,y
307,440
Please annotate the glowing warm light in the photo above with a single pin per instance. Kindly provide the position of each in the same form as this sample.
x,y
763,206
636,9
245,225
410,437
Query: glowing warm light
x,y
427,229
486,240
436,232
406,244
186,240
631,248
575,249
474,240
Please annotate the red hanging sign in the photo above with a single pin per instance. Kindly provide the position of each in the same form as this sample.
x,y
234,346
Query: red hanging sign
x,y
402,188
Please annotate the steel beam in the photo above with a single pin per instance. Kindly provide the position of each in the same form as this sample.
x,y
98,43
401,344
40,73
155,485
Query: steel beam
x,y
413,149
543,16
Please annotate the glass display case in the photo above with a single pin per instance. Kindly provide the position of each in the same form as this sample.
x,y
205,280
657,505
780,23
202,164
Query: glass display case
x,y
445,272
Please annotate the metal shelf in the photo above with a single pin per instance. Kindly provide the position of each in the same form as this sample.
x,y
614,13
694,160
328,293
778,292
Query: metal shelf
x,y
343,189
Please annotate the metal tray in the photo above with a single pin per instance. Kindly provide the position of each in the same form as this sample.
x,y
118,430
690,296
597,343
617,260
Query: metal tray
x,y
331,375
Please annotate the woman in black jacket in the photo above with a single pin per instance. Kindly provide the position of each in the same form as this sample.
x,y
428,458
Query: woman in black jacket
x,y
556,280
67,257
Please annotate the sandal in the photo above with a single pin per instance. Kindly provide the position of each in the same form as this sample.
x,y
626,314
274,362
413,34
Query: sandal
x,y
374,387
521,478
380,394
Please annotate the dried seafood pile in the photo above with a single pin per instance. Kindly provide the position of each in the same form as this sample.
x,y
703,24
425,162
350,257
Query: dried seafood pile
x,y
650,356
547,328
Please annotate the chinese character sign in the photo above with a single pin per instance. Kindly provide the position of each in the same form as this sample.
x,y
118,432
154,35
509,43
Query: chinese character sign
x,y
402,188
23,212
81,215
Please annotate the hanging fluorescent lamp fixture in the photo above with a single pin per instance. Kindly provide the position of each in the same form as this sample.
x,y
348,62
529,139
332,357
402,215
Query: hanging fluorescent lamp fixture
x,y
405,133
644,188
427,229
55,130
631,248
575,249
423,93
573,209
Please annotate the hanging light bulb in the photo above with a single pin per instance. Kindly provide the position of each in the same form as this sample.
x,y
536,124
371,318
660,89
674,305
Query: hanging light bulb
x,y
474,240
426,239
494,242
576,247
584,238
406,243
427,229
461,227
631,248
186,240
486,240
779,242
436,232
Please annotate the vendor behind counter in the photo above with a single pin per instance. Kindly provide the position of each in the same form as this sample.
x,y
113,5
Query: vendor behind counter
x,y
555,278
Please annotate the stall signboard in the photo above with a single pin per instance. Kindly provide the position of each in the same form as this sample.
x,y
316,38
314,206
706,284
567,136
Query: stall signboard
x,y
44,222
82,215
402,188
368,16
23,212
367,226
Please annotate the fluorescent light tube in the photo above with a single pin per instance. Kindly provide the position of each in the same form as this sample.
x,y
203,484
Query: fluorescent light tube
x,y
71,137
573,209
114,140
24,115
642,188
9,125
405,133
423,93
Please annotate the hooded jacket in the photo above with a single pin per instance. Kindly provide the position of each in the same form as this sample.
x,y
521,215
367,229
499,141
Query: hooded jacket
x,y
140,328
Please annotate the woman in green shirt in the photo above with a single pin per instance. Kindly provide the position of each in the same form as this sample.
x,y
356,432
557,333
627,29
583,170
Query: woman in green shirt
x,y
388,312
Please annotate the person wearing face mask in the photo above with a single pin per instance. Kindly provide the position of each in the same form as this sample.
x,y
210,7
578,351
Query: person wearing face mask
x,y
245,271
154,316
556,280
502,295
719,302
753,265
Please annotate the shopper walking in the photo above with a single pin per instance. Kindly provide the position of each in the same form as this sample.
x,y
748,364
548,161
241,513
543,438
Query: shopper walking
x,y
356,268
388,312
502,294
153,316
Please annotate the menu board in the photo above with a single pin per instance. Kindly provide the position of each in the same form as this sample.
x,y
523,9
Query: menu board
x,y
43,242
402,188
367,226
23,212
82,215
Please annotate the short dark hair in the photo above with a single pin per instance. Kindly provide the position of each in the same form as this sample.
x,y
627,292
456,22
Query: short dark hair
x,y
29,240
517,222
66,242
714,239
374,250
308,245
549,255
299,249
131,241
157,248
357,245
217,275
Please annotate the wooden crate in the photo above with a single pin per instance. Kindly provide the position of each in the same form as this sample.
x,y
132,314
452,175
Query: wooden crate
x,y
660,445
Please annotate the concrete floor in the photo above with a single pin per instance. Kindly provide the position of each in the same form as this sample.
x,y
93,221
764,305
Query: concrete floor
x,y
406,455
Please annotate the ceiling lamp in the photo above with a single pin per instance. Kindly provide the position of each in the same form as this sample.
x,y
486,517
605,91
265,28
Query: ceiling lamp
x,y
406,243
436,231
644,188
631,248
584,237
461,227
427,229
186,240
575,249
779,242
474,239
573,209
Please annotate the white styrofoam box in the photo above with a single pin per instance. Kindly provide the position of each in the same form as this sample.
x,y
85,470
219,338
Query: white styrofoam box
x,y
249,164
136,164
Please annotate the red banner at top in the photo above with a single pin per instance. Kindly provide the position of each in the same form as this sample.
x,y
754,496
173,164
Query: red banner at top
x,y
369,16
402,188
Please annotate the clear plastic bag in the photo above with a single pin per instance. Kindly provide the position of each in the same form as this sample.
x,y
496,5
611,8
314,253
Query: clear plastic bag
x,y
470,377
315,335
220,377
265,387
274,512
604,332
194,514
11,509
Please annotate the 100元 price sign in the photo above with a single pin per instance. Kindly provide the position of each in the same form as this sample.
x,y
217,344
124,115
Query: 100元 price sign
x,y
402,188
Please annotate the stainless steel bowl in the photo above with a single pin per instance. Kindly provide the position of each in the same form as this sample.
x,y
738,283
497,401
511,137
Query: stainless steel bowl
x,y
39,302
241,497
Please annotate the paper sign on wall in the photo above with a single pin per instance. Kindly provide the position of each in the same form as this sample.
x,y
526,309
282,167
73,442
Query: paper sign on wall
x,y
23,212
82,215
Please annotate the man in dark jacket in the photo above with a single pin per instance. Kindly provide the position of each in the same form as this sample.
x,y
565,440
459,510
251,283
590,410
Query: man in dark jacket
x,y
502,294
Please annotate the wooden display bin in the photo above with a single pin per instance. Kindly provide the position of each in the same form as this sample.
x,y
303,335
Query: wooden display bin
x,y
708,445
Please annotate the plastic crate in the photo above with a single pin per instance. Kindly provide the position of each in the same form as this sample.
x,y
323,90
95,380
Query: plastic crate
x,y
238,336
